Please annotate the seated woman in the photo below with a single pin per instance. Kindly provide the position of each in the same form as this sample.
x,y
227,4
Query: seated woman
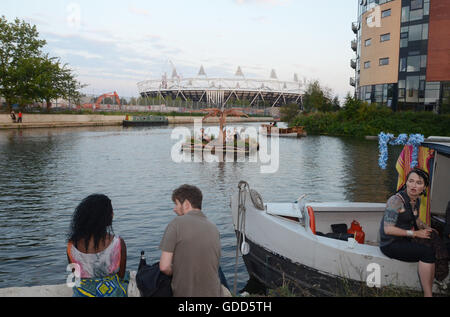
x,y
98,254
401,223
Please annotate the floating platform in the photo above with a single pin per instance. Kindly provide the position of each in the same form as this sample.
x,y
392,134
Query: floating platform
x,y
217,148
143,121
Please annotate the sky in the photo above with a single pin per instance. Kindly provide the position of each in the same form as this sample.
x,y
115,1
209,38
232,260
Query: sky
x,y
113,45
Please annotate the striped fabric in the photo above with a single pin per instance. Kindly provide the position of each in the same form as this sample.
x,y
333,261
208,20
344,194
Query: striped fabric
x,y
403,166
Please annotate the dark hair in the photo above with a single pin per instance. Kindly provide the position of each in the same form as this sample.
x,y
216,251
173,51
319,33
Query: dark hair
x,y
189,192
422,174
92,218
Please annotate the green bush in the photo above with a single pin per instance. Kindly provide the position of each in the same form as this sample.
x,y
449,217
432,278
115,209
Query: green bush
x,y
358,118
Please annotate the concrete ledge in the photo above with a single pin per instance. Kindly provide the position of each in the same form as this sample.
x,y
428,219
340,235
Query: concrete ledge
x,y
60,290
58,125
61,121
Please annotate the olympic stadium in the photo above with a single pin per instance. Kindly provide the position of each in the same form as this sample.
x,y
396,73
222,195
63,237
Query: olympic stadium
x,y
224,92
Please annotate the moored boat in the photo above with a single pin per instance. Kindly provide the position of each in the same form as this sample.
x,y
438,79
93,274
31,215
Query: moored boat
x,y
141,121
293,132
292,242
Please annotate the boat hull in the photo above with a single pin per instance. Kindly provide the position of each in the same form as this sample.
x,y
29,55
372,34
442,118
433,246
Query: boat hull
x,y
285,249
273,271
128,123
293,132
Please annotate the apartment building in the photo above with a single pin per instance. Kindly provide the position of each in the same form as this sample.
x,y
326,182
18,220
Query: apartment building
x,y
402,50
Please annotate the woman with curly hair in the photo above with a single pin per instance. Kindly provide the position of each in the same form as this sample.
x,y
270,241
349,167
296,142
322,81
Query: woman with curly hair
x,y
97,255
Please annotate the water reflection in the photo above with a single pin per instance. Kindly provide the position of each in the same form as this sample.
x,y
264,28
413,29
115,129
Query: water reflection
x,y
47,172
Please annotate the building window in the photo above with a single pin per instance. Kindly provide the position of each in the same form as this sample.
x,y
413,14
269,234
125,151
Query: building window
x,y
384,61
412,88
367,65
403,64
386,13
401,89
368,42
425,31
385,37
413,64
423,61
415,32
432,92
416,4
426,7
415,15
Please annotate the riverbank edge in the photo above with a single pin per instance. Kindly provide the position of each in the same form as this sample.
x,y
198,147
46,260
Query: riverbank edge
x,y
62,290
61,121
59,290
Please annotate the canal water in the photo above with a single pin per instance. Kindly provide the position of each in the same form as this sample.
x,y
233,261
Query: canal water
x,y
45,173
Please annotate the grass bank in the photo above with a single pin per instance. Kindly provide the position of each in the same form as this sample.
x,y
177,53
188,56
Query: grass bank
x,y
288,289
371,120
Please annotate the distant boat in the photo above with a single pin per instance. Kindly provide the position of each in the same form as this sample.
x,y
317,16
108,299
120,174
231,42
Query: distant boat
x,y
293,132
141,121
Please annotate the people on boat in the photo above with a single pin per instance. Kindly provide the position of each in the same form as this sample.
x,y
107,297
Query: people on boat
x,y
97,255
190,247
13,116
228,136
401,224
235,136
20,115
203,136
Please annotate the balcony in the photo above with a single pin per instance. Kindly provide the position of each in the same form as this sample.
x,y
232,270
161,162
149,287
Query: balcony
x,y
354,45
355,27
352,81
353,63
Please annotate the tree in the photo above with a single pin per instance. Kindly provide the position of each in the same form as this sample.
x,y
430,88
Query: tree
x,y
19,43
317,98
336,104
222,114
289,112
53,81
26,75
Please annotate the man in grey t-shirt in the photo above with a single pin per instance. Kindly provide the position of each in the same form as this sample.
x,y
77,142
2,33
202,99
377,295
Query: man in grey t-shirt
x,y
191,247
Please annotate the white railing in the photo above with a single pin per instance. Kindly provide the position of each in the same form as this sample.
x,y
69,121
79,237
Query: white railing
x,y
232,84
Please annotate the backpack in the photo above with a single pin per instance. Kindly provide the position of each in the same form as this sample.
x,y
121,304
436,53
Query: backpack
x,y
151,282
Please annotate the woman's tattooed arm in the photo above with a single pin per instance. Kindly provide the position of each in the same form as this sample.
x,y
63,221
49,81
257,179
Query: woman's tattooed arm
x,y
393,207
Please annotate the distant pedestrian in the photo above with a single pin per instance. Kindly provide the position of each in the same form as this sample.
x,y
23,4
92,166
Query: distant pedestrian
x,y
13,116
20,117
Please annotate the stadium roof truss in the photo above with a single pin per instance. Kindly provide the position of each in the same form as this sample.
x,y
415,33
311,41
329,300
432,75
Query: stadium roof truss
x,y
219,91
